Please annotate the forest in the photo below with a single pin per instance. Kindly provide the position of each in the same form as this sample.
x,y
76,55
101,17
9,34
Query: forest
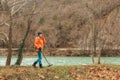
x,y
65,24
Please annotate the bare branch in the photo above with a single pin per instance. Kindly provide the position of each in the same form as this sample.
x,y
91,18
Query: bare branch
x,y
16,3
33,9
4,23
3,40
1,24
104,11
14,12
5,35
7,24
11,2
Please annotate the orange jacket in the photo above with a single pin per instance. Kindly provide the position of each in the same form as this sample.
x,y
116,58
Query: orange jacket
x,y
39,42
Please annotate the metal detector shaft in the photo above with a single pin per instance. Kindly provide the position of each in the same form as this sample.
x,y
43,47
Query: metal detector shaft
x,y
47,61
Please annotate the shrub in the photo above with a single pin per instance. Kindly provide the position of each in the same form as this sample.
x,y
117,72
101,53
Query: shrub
x,y
59,26
41,21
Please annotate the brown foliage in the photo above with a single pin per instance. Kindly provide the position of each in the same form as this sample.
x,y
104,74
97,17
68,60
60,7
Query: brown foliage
x,y
96,73
66,23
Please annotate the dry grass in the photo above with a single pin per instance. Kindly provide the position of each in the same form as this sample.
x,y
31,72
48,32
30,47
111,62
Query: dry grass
x,y
93,72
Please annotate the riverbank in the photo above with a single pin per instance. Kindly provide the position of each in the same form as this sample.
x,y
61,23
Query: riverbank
x,y
65,52
86,72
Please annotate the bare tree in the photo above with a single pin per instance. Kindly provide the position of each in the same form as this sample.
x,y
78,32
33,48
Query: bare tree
x,y
93,37
9,9
6,8
29,22
101,13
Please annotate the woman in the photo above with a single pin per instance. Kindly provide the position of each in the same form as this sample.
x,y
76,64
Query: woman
x,y
39,44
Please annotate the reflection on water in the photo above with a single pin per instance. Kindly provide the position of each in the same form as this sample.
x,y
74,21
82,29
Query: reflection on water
x,y
27,61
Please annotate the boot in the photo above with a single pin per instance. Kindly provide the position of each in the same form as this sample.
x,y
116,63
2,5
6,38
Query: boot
x,y
34,64
40,65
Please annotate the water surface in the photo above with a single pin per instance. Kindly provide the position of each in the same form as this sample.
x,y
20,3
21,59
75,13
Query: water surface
x,y
56,61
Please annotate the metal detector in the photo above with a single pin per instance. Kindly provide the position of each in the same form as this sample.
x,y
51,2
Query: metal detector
x,y
47,61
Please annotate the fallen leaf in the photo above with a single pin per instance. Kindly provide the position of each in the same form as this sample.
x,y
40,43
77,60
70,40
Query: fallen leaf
x,y
41,76
56,77
2,78
9,76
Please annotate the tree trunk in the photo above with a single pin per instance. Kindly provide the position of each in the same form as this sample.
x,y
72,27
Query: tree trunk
x,y
20,56
8,61
99,56
94,42
29,21
93,61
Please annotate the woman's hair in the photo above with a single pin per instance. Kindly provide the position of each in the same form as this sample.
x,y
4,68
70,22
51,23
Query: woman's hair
x,y
39,33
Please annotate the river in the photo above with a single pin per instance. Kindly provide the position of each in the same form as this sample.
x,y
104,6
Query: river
x,y
61,61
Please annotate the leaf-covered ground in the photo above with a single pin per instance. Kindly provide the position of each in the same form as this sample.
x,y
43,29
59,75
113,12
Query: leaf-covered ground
x,y
88,72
